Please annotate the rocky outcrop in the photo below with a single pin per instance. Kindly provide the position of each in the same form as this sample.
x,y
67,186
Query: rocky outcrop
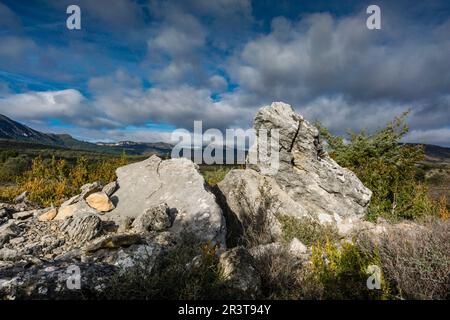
x,y
110,188
140,216
307,183
145,213
175,182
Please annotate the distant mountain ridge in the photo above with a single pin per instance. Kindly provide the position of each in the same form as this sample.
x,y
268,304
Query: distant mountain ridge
x,y
12,130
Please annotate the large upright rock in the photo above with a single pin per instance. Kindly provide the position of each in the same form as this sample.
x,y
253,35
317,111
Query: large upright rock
x,y
175,182
307,182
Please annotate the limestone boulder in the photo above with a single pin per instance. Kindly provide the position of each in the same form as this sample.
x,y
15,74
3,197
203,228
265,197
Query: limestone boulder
x,y
48,215
175,182
306,182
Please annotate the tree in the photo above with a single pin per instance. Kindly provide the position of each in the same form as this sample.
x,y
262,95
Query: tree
x,y
386,166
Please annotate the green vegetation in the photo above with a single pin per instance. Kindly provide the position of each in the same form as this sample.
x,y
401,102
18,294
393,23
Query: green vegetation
x,y
16,157
386,167
307,230
50,181
213,174
342,272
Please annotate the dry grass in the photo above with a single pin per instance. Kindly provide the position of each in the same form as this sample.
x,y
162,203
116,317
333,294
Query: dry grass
x,y
416,264
284,277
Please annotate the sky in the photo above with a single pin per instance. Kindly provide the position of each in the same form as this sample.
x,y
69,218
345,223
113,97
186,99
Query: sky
x,y
137,70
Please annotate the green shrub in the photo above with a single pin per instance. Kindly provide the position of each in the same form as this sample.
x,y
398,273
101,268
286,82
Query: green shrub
x,y
343,271
51,181
387,167
213,175
12,167
307,230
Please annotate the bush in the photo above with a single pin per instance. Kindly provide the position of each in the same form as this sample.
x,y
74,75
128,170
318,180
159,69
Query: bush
x,y
52,181
307,230
387,167
343,271
416,264
215,174
283,277
12,167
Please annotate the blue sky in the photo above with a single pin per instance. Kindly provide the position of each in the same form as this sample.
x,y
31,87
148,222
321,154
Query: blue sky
x,y
139,69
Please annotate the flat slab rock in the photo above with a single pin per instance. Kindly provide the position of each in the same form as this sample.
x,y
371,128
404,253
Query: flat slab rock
x,y
175,182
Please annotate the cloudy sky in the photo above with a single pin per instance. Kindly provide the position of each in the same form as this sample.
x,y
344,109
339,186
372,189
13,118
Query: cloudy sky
x,y
139,69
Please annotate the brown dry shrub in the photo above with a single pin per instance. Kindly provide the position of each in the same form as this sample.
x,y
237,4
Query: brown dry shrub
x,y
283,277
416,264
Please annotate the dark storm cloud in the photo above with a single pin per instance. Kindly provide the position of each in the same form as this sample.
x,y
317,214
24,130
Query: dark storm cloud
x,y
173,62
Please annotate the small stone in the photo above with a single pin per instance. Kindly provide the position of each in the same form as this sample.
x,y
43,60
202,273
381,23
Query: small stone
x,y
8,254
110,188
156,218
114,242
65,212
86,190
17,241
90,188
21,197
71,201
23,215
297,248
100,201
49,215
68,211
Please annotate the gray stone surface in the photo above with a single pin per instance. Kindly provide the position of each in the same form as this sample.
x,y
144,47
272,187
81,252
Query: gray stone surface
x,y
82,228
155,218
110,188
308,181
176,182
239,271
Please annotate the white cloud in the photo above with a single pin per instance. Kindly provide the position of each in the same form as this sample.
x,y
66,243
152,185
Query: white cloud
x,y
433,136
321,55
40,105
218,83
331,69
